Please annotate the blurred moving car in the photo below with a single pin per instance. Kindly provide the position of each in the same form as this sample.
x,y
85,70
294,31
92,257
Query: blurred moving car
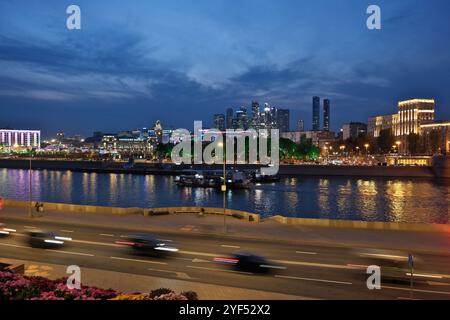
x,y
44,239
249,262
142,243
4,231
394,264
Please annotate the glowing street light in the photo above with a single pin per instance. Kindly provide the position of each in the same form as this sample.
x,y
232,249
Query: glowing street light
x,y
367,148
224,185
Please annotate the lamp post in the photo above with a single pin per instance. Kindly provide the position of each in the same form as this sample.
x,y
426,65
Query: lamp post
x,y
30,212
224,187
398,143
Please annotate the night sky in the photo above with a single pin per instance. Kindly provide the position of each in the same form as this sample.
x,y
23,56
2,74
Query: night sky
x,y
180,61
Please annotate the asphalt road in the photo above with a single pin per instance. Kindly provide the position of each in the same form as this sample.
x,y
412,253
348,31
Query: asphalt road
x,y
313,271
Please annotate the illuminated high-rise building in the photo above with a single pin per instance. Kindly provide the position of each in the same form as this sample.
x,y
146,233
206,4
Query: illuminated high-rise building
x,y
21,139
219,121
326,115
283,119
229,118
316,114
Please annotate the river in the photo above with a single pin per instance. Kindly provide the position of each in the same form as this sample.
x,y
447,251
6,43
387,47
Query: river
x,y
365,199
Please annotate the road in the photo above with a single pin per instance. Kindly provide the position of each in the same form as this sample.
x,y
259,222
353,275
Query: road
x,y
324,272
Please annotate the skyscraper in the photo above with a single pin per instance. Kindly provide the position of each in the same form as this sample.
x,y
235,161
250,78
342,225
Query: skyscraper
x,y
316,114
283,119
241,116
255,115
326,115
219,121
300,125
229,118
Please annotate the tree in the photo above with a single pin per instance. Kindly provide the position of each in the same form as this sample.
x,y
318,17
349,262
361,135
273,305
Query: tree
x,y
414,146
386,140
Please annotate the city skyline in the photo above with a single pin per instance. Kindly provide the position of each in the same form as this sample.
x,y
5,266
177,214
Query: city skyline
x,y
168,67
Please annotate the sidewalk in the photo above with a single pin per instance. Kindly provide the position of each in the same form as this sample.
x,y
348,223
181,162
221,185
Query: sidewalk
x,y
130,283
213,225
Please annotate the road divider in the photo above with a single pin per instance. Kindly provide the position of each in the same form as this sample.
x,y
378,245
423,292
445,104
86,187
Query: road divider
x,y
70,252
312,279
140,261
219,270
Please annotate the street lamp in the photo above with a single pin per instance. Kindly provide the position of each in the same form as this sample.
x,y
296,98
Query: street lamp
x,y
398,143
224,186
30,213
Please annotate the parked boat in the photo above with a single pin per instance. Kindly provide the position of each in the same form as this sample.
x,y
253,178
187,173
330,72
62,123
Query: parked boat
x,y
214,179
257,177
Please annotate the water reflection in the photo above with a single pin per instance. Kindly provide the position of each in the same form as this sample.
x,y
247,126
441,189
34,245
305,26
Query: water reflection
x,y
336,197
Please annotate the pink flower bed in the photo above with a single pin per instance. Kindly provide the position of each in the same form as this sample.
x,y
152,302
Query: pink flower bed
x,y
14,286
18,287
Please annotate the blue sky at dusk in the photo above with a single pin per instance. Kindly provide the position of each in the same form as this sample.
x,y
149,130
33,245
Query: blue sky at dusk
x,y
179,61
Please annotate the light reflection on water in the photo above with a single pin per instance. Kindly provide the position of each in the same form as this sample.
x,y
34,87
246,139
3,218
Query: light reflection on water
x,y
310,197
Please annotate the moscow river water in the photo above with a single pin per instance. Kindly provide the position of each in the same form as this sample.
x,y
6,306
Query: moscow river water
x,y
367,199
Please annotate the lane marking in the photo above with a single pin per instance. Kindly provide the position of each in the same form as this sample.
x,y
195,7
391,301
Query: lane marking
x,y
192,253
185,259
312,279
201,261
220,270
433,276
229,246
29,227
67,231
165,240
106,235
272,267
311,264
180,275
142,261
70,252
97,243
14,246
306,252
434,283
416,290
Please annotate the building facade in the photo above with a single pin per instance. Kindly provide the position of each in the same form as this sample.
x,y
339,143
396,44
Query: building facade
x,y
20,139
436,137
326,114
378,123
283,120
229,118
410,116
300,125
219,121
318,138
316,114
353,130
